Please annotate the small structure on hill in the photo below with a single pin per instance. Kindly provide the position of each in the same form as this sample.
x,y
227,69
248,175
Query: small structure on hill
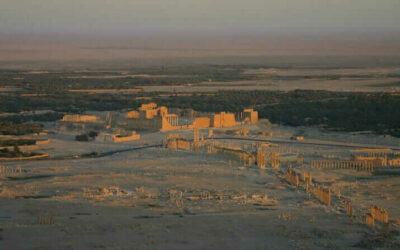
x,y
116,138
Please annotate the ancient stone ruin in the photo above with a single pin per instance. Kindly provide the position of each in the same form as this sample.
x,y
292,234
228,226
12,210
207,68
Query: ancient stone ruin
x,y
153,118
324,195
292,177
379,214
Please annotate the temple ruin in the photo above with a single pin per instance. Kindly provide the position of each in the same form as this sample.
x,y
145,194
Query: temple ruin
x,y
153,118
248,116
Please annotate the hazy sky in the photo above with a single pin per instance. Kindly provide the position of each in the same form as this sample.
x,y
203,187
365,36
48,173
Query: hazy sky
x,y
132,16
104,29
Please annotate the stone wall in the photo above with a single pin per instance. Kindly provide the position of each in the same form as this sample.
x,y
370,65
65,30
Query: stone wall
x,y
261,159
80,118
379,214
202,122
324,195
223,120
369,220
292,177
132,137
250,116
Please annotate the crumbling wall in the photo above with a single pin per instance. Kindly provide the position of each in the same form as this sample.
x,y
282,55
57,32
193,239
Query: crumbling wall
x,y
250,116
202,122
292,177
132,137
324,195
274,159
242,131
210,133
80,118
170,136
132,114
349,209
383,159
299,159
379,214
237,153
266,133
223,120
183,144
369,220
261,159
306,177
394,162
178,143
7,171
154,124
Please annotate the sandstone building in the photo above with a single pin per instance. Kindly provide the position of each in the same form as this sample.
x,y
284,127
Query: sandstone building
x,y
153,118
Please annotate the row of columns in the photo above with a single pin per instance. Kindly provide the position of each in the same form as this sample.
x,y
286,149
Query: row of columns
x,y
339,164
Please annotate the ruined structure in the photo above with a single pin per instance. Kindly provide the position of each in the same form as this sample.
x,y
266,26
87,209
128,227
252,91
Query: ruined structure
x,y
238,153
81,122
394,162
324,195
45,219
266,133
306,177
6,171
119,138
80,118
196,139
109,120
249,116
116,138
274,159
346,164
202,122
383,159
299,159
375,152
175,142
292,177
242,131
153,118
210,133
223,120
369,220
379,214
376,214
349,209
261,159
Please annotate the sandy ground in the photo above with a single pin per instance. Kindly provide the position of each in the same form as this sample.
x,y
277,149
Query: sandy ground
x,y
123,201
